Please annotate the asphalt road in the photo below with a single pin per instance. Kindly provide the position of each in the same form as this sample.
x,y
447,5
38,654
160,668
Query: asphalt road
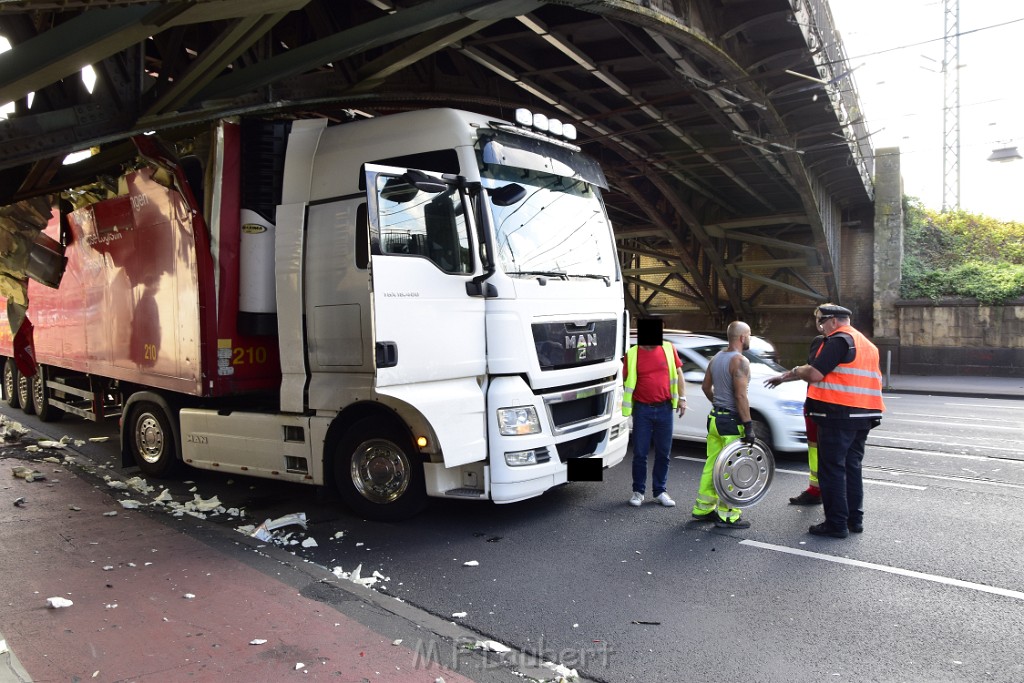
x,y
933,590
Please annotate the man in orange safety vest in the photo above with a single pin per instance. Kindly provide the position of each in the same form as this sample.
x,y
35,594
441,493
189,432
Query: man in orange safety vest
x,y
844,398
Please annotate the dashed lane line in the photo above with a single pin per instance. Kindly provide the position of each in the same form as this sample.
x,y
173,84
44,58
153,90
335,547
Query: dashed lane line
x,y
1005,592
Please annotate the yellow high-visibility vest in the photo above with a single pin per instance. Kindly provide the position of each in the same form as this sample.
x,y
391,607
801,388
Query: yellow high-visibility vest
x,y
629,384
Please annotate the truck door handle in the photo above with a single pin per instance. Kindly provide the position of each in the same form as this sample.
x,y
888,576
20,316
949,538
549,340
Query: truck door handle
x,y
387,354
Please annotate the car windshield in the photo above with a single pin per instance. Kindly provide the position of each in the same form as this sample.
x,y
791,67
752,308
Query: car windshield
x,y
758,364
558,229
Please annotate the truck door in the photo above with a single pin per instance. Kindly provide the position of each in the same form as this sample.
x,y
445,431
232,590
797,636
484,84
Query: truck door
x,y
428,331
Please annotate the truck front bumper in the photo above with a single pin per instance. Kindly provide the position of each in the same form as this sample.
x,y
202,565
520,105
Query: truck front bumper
x,y
511,484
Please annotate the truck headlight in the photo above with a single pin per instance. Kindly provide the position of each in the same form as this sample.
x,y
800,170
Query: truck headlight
x,y
516,421
792,407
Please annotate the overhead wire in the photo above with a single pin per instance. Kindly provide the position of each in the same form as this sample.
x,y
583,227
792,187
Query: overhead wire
x,y
931,40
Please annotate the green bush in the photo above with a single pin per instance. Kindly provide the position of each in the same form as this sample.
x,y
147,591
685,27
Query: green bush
x,y
957,254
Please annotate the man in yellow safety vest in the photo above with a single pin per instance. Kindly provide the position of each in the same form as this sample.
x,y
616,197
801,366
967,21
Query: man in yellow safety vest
x,y
725,385
652,392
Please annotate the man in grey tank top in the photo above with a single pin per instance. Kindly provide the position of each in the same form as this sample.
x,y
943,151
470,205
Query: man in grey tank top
x,y
725,384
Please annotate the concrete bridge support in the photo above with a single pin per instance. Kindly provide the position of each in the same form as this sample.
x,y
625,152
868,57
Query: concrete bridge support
x,y
888,254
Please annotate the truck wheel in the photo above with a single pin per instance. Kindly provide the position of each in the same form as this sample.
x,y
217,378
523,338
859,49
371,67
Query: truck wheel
x,y
151,440
11,375
378,473
41,397
25,394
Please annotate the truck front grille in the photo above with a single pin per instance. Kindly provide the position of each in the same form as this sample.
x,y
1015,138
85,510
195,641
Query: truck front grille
x,y
581,447
574,409
566,414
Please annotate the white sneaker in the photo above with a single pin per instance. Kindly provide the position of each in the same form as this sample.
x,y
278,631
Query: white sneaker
x,y
637,499
665,500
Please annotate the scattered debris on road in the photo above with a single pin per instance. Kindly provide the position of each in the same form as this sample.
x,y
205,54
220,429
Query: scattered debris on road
x,y
355,576
27,473
265,531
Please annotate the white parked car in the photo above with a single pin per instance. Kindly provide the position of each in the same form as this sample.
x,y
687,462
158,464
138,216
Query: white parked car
x,y
778,414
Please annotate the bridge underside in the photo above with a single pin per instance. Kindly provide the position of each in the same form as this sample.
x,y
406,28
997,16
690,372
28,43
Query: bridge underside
x,y
729,129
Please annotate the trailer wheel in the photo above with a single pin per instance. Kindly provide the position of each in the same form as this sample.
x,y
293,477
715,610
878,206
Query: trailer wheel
x,y
11,375
41,397
378,473
152,440
25,394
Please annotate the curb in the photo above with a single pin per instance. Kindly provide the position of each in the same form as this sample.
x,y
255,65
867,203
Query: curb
x,y
11,670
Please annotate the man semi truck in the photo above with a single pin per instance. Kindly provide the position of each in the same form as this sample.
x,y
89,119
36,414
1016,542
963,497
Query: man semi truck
x,y
422,304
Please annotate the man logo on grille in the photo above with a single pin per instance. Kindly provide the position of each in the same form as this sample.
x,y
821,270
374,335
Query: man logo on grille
x,y
581,344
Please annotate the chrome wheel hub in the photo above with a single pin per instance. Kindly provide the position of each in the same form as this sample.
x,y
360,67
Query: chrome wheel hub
x,y
380,471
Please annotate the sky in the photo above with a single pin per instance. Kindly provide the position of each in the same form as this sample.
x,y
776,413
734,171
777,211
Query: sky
x,y
896,50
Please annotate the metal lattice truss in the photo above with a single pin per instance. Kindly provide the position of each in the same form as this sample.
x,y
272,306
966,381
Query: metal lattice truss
x,y
729,129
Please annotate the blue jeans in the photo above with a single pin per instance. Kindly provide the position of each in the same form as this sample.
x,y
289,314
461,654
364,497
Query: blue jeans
x,y
652,423
840,454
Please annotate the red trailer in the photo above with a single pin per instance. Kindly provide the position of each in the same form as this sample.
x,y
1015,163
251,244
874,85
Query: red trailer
x,y
149,298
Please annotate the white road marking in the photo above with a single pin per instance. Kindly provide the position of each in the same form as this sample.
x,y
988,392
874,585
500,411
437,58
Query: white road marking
x,y
931,422
962,480
874,437
942,418
942,454
866,481
1005,592
987,406
880,482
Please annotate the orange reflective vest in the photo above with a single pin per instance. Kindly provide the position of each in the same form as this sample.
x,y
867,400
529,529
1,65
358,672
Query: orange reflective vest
x,y
630,382
857,384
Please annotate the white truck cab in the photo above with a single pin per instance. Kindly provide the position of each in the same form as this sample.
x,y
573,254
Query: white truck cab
x,y
450,315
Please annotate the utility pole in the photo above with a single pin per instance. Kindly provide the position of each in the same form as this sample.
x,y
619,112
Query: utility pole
x,y
951,107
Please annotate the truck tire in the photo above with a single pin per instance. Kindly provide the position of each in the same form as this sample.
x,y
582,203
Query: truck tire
x,y
378,473
41,397
151,440
11,375
25,394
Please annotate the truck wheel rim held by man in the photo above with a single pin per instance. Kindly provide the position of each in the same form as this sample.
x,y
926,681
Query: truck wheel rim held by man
x,y
744,473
